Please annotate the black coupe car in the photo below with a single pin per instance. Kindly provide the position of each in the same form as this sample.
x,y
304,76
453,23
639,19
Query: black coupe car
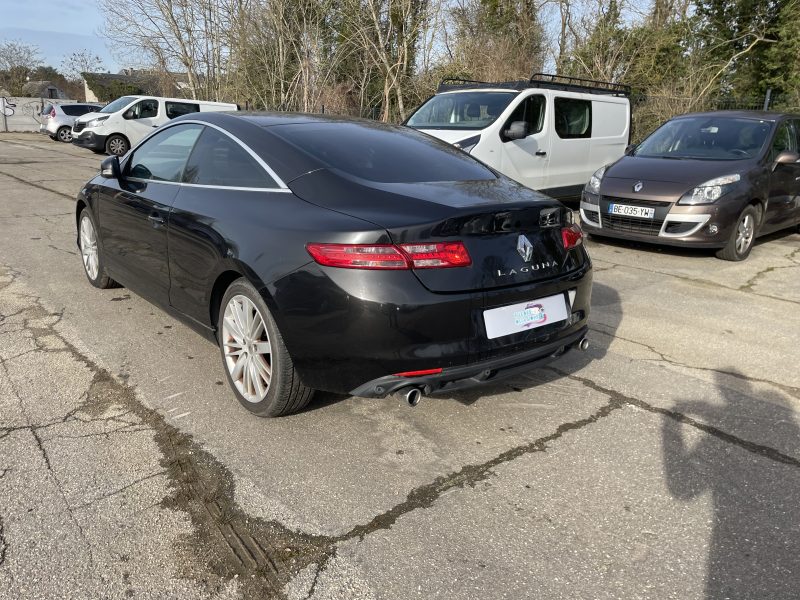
x,y
339,255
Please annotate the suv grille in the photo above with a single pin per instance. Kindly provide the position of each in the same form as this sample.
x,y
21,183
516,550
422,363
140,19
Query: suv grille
x,y
78,127
632,224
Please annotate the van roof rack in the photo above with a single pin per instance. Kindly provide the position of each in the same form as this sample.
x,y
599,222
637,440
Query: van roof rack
x,y
539,80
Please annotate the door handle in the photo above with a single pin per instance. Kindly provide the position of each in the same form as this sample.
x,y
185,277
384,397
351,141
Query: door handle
x,y
540,153
156,219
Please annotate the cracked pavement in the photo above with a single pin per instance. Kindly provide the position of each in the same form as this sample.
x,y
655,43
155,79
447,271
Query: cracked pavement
x,y
663,463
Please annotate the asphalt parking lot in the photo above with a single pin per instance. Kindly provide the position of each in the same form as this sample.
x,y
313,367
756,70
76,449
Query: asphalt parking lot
x,y
662,463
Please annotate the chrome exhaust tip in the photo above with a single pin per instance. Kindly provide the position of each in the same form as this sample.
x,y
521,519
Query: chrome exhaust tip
x,y
413,396
583,344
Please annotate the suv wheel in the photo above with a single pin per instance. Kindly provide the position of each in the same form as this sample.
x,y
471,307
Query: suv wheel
x,y
743,235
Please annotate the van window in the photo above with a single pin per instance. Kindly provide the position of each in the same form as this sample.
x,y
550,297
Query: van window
x,y
145,109
461,110
176,109
573,118
117,104
531,110
219,160
163,156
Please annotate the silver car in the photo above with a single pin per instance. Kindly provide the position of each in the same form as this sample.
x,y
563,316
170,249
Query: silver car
x,y
57,119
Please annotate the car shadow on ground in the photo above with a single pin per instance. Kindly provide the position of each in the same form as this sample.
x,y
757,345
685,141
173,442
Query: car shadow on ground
x,y
754,548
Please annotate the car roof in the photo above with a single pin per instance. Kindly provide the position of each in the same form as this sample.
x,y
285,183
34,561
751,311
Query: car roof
x,y
270,119
741,114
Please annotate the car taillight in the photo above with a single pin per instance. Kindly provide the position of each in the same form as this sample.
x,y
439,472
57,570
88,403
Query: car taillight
x,y
572,236
52,112
387,256
437,256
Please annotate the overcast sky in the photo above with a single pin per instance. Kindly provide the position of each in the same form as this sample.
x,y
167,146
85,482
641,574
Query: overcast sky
x,y
58,27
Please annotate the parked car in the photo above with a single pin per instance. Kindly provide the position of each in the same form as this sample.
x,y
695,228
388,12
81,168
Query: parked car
x,y
549,133
127,120
709,180
57,119
347,256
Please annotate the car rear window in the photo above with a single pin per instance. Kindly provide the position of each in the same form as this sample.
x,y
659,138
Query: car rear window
x,y
383,153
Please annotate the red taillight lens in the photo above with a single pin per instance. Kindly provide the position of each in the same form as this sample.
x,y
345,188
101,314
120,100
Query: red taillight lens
x,y
358,256
572,236
437,256
386,256
52,112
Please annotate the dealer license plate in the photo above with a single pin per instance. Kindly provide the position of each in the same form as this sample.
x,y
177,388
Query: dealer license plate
x,y
524,316
631,211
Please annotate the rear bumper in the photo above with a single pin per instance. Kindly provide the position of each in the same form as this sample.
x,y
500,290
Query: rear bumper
x,y
89,139
475,374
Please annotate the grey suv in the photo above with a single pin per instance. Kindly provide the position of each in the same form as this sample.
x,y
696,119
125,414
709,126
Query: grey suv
x,y
714,180
57,119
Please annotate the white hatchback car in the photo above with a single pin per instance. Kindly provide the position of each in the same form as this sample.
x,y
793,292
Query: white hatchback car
x,y
57,119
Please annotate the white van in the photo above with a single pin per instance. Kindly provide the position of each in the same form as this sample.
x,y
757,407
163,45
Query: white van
x,y
550,133
126,121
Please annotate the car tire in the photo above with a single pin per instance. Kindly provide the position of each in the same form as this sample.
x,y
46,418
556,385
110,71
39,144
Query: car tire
x,y
256,362
117,145
64,134
90,252
743,235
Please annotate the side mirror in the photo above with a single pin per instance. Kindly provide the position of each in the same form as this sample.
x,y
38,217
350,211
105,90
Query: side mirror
x,y
516,131
629,149
787,157
128,114
109,168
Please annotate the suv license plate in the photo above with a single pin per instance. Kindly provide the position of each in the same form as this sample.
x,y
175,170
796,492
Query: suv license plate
x,y
631,211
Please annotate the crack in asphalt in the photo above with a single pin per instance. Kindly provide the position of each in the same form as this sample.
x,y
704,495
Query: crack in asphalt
x,y
36,185
787,389
761,450
3,542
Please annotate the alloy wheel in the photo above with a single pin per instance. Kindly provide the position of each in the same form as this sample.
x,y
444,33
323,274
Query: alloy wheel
x,y
89,248
65,135
247,349
744,233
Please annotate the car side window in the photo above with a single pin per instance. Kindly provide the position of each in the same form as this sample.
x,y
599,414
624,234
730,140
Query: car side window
x,y
531,110
573,118
145,109
219,160
163,156
176,109
785,139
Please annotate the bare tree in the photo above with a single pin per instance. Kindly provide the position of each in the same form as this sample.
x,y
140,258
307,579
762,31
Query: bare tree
x,y
17,61
81,61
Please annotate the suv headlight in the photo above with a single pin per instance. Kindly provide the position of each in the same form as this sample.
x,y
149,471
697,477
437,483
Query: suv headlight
x,y
468,144
710,191
96,122
593,187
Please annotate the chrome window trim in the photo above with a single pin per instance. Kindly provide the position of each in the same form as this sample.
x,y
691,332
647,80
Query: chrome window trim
x,y
281,185
213,187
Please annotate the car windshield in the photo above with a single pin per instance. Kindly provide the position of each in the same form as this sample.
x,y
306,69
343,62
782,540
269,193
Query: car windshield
x,y
117,104
384,154
461,110
707,138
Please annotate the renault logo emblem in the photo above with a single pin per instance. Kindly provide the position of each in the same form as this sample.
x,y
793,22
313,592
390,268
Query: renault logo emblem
x,y
637,187
525,248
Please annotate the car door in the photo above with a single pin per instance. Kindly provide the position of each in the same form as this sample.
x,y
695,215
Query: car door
x,y
141,119
784,182
569,167
526,160
133,211
223,183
